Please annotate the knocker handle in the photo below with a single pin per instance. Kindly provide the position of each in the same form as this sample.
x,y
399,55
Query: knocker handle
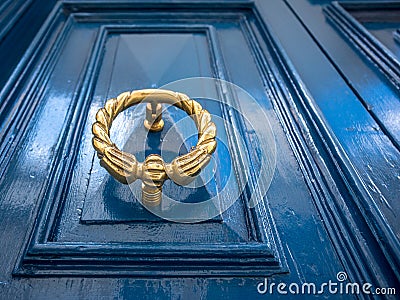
x,y
153,171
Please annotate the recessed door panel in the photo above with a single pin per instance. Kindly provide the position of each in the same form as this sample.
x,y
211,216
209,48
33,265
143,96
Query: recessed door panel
x,y
83,209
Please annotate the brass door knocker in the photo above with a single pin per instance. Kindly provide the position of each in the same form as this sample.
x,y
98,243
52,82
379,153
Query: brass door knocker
x,y
153,171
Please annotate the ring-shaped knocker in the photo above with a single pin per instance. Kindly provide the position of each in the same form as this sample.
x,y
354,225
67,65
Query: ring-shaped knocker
x,y
153,171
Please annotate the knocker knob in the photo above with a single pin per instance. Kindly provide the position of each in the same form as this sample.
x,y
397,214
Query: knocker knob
x,y
154,121
153,171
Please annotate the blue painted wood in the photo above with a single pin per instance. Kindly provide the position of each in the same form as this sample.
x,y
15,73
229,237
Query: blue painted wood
x,y
396,37
15,36
372,153
10,13
382,109
314,222
64,192
183,42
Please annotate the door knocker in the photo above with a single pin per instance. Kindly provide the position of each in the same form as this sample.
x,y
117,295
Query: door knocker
x,y
153,171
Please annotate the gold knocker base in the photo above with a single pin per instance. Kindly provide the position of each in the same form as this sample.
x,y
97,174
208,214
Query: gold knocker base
x,y
153,171
154,121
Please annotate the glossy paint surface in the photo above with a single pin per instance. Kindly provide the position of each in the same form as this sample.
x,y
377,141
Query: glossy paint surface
x,y
373,148
71,231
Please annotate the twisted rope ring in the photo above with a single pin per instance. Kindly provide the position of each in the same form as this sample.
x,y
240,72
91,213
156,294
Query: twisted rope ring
x,y
153,171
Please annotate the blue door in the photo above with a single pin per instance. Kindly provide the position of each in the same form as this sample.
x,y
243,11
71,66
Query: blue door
x,y
300,198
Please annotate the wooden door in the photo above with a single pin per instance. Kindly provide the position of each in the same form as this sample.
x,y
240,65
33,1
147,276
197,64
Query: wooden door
x,y
309,116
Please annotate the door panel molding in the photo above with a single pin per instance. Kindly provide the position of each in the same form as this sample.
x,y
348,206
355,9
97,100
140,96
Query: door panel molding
x,y
343,17
17,114
335,186
62,245
10,12
341,14
360,168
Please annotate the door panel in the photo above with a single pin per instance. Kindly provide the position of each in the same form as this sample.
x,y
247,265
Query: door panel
x,y
14,15
72,231
365,124
81,208
360,23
